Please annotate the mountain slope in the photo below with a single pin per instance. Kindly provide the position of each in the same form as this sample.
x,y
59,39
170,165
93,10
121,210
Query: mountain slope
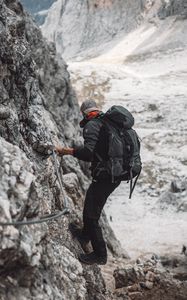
x,y
89,28
38,9
87,25
146,72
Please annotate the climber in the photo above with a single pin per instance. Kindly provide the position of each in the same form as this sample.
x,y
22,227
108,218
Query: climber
x,y
94,149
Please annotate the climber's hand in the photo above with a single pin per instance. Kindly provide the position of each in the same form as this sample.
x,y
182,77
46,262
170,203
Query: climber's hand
x,y
63,151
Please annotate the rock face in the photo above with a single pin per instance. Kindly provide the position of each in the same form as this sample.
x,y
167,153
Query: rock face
x,y
76,26
173,7
38,108
148,280
85,29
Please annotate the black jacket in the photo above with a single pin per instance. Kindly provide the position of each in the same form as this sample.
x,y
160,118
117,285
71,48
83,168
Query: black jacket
x,y
95,146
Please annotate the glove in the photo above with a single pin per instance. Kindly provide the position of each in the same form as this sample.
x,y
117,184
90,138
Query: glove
x,y
64,151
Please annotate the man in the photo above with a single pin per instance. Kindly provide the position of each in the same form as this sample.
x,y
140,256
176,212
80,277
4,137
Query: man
x,y
95,150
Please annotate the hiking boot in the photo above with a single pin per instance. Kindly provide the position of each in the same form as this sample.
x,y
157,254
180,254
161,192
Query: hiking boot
x,y
76,232
92,258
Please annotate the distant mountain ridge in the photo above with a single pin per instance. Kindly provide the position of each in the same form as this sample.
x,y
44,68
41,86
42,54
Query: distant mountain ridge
x,y
78,26
38,8
82,29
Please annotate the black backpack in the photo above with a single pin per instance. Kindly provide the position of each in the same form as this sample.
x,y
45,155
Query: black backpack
x,y
123,147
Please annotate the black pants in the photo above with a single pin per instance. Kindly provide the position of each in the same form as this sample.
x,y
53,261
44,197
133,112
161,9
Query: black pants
x,y
95,200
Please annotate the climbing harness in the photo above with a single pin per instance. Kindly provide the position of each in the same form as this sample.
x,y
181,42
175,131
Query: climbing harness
x,y
54,215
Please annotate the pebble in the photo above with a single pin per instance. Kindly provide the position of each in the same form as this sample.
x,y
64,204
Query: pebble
x,y
149,285
150,276
135,296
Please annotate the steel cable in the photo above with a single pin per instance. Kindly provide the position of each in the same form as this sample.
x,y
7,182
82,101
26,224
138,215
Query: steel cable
x,y
47,217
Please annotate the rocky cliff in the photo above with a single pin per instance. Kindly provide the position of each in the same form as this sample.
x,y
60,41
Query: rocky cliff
x,y
88,28
76,26
173,7
38,108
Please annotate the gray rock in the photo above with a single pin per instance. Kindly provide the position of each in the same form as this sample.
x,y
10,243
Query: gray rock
x,y
160,283
91,24
172,7
175,197
149,285
150,276
125,277
182,206
178,186
167,199
38,108
72,186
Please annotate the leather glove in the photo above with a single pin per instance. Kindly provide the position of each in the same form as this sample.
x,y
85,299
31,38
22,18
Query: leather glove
x,y
64,151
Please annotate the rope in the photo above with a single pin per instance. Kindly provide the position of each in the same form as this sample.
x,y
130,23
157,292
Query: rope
x,y
42,219
47,217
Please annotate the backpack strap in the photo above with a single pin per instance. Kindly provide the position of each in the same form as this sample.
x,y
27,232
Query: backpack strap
x,y
132,186
98,156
